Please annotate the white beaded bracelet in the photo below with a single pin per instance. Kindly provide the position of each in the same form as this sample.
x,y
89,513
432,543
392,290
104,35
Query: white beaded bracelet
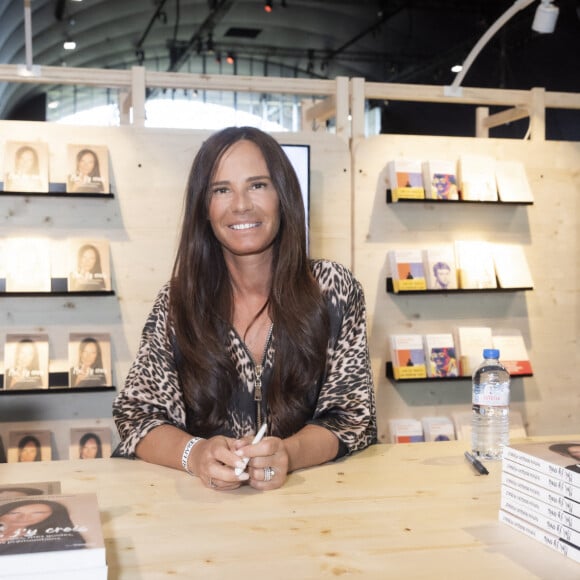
x,y
185,457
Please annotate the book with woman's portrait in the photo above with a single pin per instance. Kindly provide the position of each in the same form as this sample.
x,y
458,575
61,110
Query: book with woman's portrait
x,y
88,265
26,167
90,442
88,169
26,361
29,446
89,358
27,265
16,490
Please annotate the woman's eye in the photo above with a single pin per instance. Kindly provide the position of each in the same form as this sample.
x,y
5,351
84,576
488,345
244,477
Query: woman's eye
x,y
220,190
259,185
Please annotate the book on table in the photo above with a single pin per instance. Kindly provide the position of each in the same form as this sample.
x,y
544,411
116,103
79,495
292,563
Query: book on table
x,y
25,489
49,534
407,269
408,356
405,178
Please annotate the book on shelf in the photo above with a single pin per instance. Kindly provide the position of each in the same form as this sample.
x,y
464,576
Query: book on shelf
x,y
406,431
27,265
408,356
475,265
89,265
440,268
25,489
511,266
540,493
26,166
542,536
440,179
470,341
512,182
407,269
88,169
89,359
512,350
26,361
405,177
476,175
53,534
26,446
438,429
90,442
440,355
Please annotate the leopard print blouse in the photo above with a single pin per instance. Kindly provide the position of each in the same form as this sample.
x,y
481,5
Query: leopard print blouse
x,y
343,402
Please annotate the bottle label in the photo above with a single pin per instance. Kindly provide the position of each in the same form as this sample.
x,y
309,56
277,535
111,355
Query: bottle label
x,y
491,395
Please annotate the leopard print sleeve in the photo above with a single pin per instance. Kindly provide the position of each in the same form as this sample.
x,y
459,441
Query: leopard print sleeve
x,y
346,402
151,396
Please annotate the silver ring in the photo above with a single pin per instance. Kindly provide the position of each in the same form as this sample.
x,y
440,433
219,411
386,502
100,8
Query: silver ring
x,y
269,473
211,483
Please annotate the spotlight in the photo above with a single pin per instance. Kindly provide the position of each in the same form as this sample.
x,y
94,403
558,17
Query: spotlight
x,y
69,44
545,17
268,6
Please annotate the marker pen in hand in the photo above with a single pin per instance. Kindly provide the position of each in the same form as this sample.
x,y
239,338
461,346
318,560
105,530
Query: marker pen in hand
x,y
259,435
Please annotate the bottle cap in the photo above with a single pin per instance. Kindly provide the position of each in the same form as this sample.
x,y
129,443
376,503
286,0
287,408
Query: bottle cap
x,y
490,353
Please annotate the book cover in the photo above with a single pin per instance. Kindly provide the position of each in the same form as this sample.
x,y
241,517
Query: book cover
x,y
438,429
27,265
475,265
30,445
554,458
470,341
26,167
26,361
512,351
541,479
539,513
90,442
539,493
88,169
405,178
441,356
22,490
476,175
542,536
440,179
511,266
89,266
440,269
51,533
407,269
408,356
89,359
406,431
512,182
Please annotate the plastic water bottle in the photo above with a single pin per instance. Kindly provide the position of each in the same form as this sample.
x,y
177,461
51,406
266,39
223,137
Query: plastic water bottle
x,y
490,407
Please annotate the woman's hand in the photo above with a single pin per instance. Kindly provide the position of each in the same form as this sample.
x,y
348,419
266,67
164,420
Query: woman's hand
x,y
268,466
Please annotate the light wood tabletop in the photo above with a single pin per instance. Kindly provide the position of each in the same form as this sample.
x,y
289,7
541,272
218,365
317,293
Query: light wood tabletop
x,y
392,511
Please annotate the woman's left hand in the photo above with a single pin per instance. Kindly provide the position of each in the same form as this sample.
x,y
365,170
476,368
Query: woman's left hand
x,y
268,466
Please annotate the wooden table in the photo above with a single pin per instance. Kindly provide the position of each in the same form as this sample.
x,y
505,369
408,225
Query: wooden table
x,y
392,511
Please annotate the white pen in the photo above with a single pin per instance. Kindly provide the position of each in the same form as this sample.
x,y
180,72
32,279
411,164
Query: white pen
x,y
259,435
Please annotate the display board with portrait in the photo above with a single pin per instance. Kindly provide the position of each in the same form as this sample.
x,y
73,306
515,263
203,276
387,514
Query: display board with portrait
x,y
90,442
89,265
29,446
89,359
88,169
26,264
26,361
26,167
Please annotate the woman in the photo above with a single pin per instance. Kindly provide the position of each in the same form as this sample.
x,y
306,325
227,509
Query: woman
x,y
29,449
87,177
26,174
90,446
89,273
248,331
26,373
89,371
36,525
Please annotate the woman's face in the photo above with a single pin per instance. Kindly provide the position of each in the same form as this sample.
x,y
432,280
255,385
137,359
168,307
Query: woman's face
x,y
244,207
26,162
88,354
574,451
86,163
28,452
90,449
25,355
88,260
26,516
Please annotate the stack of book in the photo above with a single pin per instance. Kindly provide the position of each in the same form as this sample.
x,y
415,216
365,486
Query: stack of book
x,y
540,493
48,535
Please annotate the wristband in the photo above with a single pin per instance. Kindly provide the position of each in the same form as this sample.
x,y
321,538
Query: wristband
x,y
185,457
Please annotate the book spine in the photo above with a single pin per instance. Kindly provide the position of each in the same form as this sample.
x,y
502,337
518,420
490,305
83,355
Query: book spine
x,y
542,465
542,494
540,508
547,481
540,535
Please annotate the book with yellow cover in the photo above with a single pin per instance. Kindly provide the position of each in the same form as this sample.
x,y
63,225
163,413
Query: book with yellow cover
x,y
405,177
408,356
407,269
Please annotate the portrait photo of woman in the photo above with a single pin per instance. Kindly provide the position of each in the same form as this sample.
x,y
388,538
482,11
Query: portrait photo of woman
x,y
90,360
90,442
29,446
26,362
89,266
89,169
27,169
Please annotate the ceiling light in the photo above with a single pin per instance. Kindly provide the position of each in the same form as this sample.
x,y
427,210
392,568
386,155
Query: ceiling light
x,y
230,58
268,6
545,17
69,44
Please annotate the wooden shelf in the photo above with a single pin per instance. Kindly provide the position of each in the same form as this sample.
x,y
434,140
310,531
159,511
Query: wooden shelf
x,y
57,383
391,290
390,375
447,202
58,287
55,190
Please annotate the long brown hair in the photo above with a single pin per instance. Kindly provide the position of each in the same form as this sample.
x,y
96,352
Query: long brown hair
x,y
201,307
